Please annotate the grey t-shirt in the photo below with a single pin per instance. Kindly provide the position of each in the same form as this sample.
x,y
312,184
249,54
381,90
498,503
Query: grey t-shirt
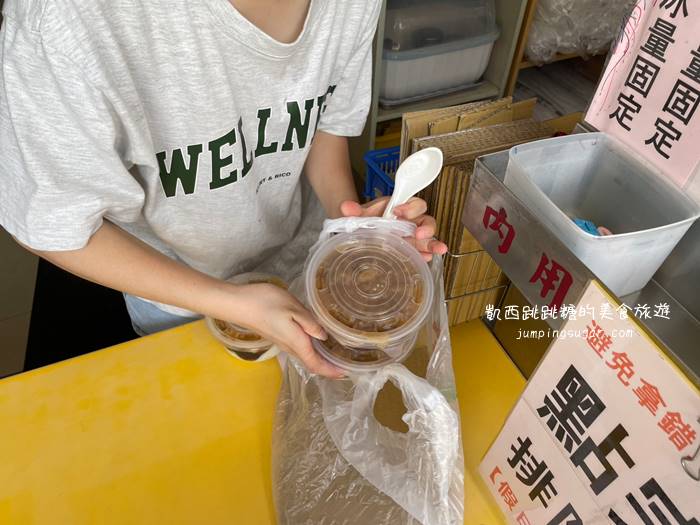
x,y
179,121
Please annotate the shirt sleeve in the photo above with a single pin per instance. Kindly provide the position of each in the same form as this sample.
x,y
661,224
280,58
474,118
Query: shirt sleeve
x,y
62,172
348,105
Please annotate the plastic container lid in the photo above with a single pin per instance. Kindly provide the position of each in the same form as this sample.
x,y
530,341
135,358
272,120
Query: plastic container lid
x,y
237,338
371,291
438,26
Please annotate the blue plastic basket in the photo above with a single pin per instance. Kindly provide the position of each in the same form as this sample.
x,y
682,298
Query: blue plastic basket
x,y
381,167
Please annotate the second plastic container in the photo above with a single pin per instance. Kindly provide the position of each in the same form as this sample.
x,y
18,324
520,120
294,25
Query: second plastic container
x,y
239,341
371,291
593,176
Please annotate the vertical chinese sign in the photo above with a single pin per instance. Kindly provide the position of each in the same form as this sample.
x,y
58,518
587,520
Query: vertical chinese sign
x,y
649,94
551,279
600,432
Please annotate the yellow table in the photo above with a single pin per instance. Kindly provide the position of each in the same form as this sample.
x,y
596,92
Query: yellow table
x,y
170,429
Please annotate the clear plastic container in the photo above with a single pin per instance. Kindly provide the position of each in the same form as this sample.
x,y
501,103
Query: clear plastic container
x,y
242,342
433,46
593,176
371,291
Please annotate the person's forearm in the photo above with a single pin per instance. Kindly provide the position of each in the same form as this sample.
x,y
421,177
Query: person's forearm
x,y
328,170
118,260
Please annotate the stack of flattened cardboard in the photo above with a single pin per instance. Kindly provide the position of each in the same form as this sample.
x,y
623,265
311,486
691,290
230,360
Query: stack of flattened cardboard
x,y
463,133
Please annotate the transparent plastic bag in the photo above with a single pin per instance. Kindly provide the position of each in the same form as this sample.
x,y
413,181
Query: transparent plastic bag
x,y
583,27
335,462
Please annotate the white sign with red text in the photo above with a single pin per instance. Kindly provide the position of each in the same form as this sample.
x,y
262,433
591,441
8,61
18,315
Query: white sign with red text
x,y
599,433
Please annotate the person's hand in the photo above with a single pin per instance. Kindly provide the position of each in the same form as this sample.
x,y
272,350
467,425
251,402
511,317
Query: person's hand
x,y
276,315
413,210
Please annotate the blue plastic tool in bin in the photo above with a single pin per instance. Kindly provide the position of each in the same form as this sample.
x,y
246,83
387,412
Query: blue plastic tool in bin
x,y
381,167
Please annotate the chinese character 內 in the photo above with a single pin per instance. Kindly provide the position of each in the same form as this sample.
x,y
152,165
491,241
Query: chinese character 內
x,y
496,221
547,312
642,311
650,489
662,310
676,5
660,36
597,339
549,273
627,107
642,76
492,313
584,311
680,433
649,397
566,516
605,311
693,69
530,312
665,134
529,470
512,312
508,495
683,101
494,473
612,442
572,408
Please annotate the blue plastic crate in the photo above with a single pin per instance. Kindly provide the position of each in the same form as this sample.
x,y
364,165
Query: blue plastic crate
x,y
381,168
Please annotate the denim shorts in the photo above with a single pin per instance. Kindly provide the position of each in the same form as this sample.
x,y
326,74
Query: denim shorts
x,y
147,318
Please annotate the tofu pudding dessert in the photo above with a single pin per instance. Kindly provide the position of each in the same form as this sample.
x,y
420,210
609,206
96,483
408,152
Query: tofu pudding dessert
x,y
371,291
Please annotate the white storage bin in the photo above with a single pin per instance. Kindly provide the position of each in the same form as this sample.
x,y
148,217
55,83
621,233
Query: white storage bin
x,y
593,176
433,47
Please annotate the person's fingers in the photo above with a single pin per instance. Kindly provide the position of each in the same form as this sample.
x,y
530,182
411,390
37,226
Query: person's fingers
x,y
437,247
426,227
375,208
350,209
412,209
307,323
300,345
430,246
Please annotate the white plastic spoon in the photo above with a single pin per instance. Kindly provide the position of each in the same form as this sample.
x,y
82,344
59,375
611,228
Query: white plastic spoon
x,y
414,174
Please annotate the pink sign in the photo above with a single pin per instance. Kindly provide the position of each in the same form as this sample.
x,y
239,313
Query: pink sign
x,y
649,94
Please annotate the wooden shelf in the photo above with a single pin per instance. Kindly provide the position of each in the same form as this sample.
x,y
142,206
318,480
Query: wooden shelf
x,y
557,58
524,64
484,91
509,17
519,61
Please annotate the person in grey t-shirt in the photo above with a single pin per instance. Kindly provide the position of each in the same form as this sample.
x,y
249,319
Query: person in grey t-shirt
x,y
160,148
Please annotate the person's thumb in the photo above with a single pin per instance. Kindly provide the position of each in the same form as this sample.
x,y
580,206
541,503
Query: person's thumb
x,y
373,208
307,323
300,345
350,209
